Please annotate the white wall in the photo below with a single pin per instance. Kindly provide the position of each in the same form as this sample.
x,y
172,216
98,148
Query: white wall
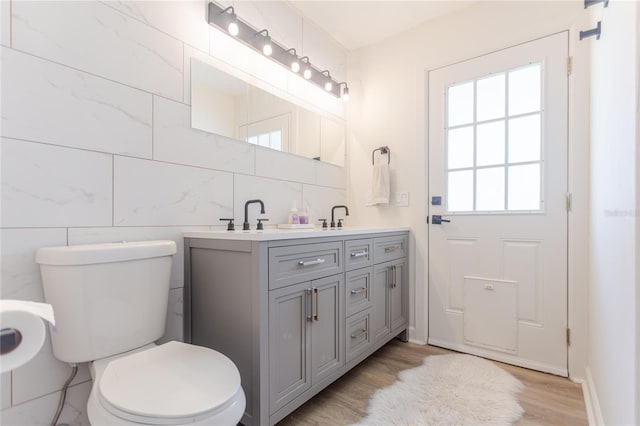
x,y
97,146
388,107
614,216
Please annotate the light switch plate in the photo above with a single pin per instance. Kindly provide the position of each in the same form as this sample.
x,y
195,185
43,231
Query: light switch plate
x,y
401,199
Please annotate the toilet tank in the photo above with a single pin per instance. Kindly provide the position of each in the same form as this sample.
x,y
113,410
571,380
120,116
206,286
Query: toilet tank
x,y
107,298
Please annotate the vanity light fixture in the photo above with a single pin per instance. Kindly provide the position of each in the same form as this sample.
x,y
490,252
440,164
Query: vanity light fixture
x,y
226,20
295,65
345,91
307,68
328,85
232,22
267,49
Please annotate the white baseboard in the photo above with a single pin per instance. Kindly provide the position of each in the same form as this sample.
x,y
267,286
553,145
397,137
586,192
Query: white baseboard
x,y
594,415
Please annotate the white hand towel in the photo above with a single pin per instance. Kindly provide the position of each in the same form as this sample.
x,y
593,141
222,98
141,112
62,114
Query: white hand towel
x,y
380,182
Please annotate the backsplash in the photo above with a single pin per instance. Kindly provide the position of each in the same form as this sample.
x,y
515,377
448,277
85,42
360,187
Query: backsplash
x,y
97,147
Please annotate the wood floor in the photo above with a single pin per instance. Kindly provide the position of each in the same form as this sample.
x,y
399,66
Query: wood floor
x,y
546,399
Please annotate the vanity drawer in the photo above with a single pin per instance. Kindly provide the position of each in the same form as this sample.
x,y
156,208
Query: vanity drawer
x,y
358,334
357,254
358,290
294,264
389,248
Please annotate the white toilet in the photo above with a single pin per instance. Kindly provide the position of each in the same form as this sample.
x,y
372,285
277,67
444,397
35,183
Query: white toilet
x,y
110,304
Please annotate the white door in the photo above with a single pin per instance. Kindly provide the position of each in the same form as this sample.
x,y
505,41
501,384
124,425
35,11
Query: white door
x,y
498,180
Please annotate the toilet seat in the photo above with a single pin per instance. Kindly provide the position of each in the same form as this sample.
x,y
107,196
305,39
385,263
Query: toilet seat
x,y
174,383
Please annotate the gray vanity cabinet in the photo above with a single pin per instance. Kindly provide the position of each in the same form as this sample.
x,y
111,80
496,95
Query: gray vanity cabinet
x,y
295,314
305,337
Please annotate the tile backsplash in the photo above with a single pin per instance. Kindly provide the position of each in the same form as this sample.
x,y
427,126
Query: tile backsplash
x,y
96,146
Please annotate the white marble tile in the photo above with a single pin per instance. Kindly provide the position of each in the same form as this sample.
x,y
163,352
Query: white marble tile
x,y
330,175
151,193
40,411
43,374
5,390
20,273
5,23
281,165
147,233
277,196
175,318
176,142
184,20
318,201
94,37
50,186
46,102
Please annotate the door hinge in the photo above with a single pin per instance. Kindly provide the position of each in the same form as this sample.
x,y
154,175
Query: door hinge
x,y
569,201
568,336
569,65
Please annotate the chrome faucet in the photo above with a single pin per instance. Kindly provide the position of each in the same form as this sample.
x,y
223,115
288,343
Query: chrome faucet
x,y
245,224
333,222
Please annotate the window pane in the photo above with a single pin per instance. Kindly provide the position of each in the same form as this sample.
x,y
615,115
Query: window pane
x,y
490,144
490,189
524,139
263,140
460,104
524,187
253,139
524,90
460,191
490,102
276,140
460,147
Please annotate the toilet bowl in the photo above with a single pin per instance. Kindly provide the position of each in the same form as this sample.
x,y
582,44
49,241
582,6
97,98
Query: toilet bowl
x,y
110,302
171,384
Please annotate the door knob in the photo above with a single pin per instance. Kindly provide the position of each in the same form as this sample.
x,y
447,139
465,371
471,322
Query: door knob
x,y
437,219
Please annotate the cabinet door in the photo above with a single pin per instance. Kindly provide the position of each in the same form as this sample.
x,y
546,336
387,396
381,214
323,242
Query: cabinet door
x,y
327,327
398,294
289,343
380,326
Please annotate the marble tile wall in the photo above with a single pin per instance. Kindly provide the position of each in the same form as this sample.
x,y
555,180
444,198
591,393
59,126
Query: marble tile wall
x,y
96,146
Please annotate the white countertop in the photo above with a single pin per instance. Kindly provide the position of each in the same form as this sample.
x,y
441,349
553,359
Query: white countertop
x,y
290,234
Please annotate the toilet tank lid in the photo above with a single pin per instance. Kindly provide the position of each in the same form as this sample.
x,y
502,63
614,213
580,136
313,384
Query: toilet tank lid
x,y
104,253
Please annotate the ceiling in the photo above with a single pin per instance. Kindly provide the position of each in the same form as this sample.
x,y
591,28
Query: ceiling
x,y
360,23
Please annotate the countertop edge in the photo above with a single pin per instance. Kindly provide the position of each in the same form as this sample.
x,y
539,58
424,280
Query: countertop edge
x,y
279,235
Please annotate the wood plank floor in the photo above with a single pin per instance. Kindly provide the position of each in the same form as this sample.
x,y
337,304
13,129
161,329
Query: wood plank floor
x,y
546,399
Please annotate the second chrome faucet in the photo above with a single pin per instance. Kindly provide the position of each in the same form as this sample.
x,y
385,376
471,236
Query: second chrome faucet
x,y
333,222
245,224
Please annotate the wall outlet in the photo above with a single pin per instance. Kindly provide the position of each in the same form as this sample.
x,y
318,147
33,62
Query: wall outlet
x,y
400,199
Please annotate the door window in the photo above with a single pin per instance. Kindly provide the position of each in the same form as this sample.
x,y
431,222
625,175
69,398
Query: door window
x,y
494,142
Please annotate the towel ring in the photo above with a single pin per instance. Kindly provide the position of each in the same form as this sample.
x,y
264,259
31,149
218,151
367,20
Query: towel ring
x,y
383,150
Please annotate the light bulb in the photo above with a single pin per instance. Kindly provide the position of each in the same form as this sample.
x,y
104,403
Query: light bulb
x,y
233,28
295,66
328,86
345,94
267,49
307,73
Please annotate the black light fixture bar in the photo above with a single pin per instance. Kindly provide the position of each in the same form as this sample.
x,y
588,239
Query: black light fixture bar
x,y
589,3
251,37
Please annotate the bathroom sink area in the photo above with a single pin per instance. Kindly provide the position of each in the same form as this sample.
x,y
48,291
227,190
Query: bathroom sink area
x,y
272,234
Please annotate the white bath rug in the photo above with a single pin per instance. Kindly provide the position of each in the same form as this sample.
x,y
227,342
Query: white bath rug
x,y
448,390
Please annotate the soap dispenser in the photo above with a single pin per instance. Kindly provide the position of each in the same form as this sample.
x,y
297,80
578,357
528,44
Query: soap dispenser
x,y
294,219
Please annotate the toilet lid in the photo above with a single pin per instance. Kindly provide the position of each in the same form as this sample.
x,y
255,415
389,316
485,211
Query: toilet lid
x,y
169,384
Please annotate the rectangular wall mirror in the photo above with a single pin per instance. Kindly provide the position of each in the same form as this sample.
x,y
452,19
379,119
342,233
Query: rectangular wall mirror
x,y
227,106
